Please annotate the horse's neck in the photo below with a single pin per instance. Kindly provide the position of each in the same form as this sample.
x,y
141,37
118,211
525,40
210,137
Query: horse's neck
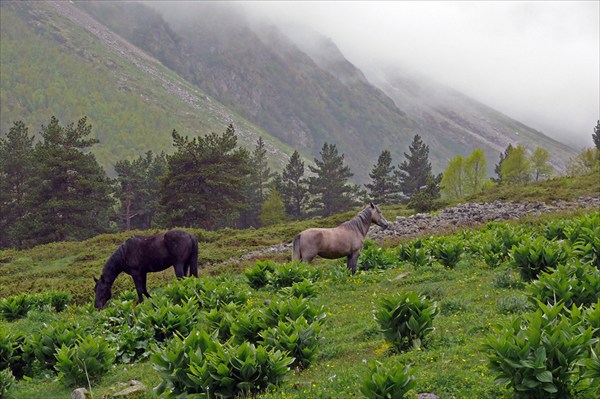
x,y
110,272
361,222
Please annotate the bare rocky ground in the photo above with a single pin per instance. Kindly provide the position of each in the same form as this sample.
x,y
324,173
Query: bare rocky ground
x,y
466,215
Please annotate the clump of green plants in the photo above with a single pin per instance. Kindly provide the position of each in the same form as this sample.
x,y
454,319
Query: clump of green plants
x,y
15,353
299,338
533,257
7,380
46,343
393,381
200,364
507,278
292,309
259,275
287,274
17,306
302,289
165,318
574,283
86,361
373,257
448,251
405,319
538,354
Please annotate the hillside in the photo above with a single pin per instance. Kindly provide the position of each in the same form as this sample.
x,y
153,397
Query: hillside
x,y
57,60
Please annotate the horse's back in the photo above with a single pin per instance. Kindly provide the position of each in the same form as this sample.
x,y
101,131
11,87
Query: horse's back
x,y
328,243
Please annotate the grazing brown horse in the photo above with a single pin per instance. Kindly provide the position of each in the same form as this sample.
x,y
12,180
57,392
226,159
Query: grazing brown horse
x,y
140,255
345,240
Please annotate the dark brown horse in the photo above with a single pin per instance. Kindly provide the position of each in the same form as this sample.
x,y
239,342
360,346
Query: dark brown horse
x,y
345,240
140,255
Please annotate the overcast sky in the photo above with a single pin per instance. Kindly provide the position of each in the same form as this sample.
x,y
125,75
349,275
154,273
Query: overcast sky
x,y
538,62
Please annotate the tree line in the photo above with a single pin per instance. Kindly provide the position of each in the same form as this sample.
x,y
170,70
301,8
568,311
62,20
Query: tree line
x,y
53,189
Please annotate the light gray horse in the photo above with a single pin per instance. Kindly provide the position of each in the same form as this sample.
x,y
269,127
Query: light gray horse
x,y
345,240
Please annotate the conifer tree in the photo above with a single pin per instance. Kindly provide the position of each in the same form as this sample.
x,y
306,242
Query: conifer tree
x,y
258,182
540,166
413,173
70,197
205,182
384,189
16,171
330,188
294,187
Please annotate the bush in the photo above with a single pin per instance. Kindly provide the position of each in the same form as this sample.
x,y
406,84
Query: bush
x,y
447,251
248,325
166,319
87,360
576,283
132,343
302,289
298,338
405,319
51,338
387,381
373,257
15,307
539,354
292,309
258,276
533,257
6,382
15,353
287,274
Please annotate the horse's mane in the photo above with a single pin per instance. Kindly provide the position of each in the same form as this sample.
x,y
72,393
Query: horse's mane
x,y
359,222
112,265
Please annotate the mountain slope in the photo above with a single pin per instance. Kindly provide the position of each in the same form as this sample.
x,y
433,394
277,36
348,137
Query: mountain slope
x,y
52,66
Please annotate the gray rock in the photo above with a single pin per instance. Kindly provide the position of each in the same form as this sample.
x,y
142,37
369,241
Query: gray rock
x,y
80,393
129,388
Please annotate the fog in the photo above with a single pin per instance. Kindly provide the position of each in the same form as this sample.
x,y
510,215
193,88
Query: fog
x,y
537,62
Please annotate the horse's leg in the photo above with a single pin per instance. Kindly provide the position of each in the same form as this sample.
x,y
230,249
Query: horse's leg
x,y
145,291
139,279
352,260
179,270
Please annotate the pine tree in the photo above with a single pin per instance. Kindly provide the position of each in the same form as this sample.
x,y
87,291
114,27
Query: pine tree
x,y
70,199
384,189
516,167
16,171
258,181
294,187
330,188
596,136
205,182
540,166
498,167
414,172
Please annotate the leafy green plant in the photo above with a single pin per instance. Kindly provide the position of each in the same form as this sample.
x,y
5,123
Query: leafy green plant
x,y
513,304
259,275
373,257
533,257
447,251
166,319
221,320
299,338
304,289
15,307
591,367
538,354
575,283
51,338
286,274
173,362
15,353
393,381
507,278
243,370
87,360
7,380
58,300
248,325
291,309
132,343
405,319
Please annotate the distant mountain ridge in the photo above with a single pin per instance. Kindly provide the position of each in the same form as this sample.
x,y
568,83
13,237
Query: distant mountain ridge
x,y
294,92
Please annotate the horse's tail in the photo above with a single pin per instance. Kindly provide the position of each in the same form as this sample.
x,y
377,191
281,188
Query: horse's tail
x,y
296,255
193,260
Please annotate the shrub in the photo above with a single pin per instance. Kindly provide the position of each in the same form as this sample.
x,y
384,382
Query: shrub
x,y
592,367
291,309
387,381
298,338
15,307
240,371
533,257
405,319
286,274
538,354
248,325
302,289
51,338
6,382
58,300
447,251
15,353
87,360
258,276
373,257
221,320
131,342
576,283
166,319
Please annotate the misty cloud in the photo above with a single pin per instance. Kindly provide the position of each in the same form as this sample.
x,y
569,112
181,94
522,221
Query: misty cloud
x,y
537,62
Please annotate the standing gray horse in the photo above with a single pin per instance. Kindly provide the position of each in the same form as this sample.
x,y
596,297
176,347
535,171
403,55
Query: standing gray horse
x,y
345,240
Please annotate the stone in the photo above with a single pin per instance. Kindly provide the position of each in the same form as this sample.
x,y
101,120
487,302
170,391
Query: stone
x,y
80,393
129,388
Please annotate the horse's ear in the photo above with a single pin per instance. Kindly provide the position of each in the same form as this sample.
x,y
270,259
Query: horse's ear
x,y
95,279
372,206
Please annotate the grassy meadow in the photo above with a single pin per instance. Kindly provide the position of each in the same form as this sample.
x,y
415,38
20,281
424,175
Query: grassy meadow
x,y
473,295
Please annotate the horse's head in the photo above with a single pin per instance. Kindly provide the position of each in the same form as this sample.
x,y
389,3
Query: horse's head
x,y
377,217
103,292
